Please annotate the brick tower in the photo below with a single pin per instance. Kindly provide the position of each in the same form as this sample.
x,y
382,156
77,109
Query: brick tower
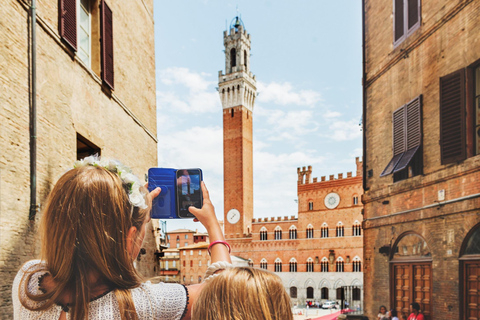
x,y
237,88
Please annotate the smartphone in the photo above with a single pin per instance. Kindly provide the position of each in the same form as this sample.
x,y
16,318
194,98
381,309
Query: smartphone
x,y
189,191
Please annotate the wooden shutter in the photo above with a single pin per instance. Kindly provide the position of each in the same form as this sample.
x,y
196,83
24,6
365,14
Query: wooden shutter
x,y
413,129
398,121
107,44
68,22
398,20
413,13
452,117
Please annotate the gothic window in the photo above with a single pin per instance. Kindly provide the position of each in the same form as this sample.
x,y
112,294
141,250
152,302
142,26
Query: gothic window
x,y
340,230
324,230
356,229
340,294
309,231
250,263
278,233
324,292
339,265
324,265
293,292
310,293
233,57
310,265
310,206
293,265
263,234
263,264
355,200
278,265
357,265
292,232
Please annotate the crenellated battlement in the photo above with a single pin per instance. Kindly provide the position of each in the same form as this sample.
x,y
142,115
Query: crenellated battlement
x,y
274,219
305,174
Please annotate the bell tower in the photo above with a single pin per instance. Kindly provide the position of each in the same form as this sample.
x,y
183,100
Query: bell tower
x,y
237,89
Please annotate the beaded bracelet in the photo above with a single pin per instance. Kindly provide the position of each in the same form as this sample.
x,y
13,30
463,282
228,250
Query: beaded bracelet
x,y
217,242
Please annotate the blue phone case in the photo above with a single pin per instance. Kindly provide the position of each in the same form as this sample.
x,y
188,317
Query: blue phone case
x,y
165,205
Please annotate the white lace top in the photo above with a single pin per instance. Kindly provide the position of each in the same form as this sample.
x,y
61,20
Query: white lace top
x,y
152,301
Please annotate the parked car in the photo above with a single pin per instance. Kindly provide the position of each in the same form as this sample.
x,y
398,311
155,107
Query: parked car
x,y
328,305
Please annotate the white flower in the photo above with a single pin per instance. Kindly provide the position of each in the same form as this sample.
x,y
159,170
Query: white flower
x,y
137,199
129,178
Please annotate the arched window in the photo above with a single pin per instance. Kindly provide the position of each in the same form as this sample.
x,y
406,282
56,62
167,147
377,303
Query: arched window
x,y
356,229
411,260
250,263
339,265
278,233
310,265
469,273
278,265
340,294
324,292
310,205
324,230
292,232
355,200
233,57
324,264
309,231
263,264
293,265
293,292
245,59
310,293
340,229
357,264
263,233
356,294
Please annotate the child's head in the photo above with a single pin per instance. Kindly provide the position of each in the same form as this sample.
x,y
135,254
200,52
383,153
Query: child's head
x,y
243,293
383,309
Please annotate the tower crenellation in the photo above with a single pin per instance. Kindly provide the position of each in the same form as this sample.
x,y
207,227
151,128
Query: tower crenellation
x,y
305,174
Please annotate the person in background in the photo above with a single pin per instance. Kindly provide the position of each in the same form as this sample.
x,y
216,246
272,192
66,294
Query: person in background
x,y
243,293
392,314
415,312
382,315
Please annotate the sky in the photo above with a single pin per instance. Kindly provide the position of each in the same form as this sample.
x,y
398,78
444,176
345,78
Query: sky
x,y
307,58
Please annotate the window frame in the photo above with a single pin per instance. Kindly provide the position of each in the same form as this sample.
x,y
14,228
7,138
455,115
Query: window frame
x,y
405,17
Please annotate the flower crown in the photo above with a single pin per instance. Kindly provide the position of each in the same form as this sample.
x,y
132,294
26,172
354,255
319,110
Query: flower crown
x,y
136,197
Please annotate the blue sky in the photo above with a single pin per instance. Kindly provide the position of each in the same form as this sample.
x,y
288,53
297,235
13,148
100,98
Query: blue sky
x,y
306,56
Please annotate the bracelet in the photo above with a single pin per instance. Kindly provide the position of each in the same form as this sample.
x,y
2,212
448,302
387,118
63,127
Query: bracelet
x,y
217,242
214,267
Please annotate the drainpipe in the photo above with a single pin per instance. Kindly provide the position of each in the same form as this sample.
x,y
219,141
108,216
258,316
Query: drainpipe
x,y
33,115
364,102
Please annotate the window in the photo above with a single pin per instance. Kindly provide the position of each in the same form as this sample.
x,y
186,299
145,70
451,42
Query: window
x,y
168,237
340,294
263,234
186,236
186,244
407,141
263,264
339,265
84,32
166,265
356,229
86,148
356,293
178,238
292,232
324,265
293,292
324,293
324,231
309,231
310,206
250,263
191,279
174,264
184,251
310,265
178,246
199,263
310,293
233,58
278,233
357,265
278,265
245,59
183,279
340,230
293,265
191,252
406,16
191,263
355,200
199,252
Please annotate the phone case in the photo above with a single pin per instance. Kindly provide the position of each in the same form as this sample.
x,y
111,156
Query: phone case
x,y
165,205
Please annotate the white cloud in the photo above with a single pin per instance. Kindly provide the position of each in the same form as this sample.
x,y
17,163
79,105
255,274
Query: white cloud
x,y
284,94
331,114
345,130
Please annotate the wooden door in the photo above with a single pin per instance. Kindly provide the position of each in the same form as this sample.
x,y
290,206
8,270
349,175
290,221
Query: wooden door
x,y
471,286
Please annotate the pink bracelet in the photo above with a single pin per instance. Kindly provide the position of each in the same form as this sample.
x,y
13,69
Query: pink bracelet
x,y
217,242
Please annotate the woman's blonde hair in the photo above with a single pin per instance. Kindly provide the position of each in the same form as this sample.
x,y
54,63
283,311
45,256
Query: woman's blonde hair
x,y
243,293
84,229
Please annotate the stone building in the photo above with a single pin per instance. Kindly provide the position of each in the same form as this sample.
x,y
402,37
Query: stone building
x,y
421,156
318,255
95,93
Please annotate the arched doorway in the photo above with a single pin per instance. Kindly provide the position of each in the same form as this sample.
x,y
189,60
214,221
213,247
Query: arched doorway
x,y
411,274
470,275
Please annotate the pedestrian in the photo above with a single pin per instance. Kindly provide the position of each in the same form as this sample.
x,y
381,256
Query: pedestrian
x,y
392,314
243,293
415,312
382,315
92,229
403,316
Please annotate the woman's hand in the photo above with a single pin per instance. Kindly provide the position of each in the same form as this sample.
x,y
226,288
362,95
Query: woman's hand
x,y
206,215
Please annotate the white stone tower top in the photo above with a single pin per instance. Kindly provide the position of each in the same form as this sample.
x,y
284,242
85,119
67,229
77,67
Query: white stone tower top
x,y
237,87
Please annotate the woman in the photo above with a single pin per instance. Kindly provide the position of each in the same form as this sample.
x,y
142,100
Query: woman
x,y
243,293
382,315
92,228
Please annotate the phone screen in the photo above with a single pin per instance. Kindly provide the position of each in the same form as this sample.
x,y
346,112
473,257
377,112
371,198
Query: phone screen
x,y
189,192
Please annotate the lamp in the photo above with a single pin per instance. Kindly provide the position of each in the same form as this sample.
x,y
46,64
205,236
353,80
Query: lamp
x,y
316,260
348,259
331,256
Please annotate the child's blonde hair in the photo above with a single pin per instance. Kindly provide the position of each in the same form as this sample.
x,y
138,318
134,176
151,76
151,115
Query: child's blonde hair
x,y
243,294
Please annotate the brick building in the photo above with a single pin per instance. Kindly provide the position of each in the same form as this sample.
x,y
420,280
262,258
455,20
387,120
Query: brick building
x,y
95,93
319,254
421,156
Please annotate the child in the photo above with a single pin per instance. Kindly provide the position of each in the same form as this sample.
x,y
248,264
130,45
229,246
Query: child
x,y
243,293
93,226
382,313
